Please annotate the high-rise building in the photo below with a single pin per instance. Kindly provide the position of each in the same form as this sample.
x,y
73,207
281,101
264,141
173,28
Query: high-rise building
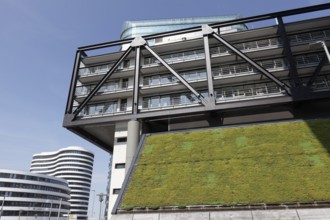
x,y
31,196
74,164
198,77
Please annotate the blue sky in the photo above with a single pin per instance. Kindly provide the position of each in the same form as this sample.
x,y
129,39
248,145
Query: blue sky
x,y
38,40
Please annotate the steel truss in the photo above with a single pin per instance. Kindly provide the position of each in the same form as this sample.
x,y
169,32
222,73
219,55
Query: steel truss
x,y
208,103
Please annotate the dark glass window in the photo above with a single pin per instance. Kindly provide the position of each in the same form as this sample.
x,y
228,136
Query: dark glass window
x,y
115,191
122,139
119,165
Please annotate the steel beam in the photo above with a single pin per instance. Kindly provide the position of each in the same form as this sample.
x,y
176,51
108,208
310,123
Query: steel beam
x,y
254,64
317,71
293,73
216,25
103,80
180,78
208,67
74,78
136,90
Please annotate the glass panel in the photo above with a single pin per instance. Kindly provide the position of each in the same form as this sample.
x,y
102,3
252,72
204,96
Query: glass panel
x,y
99,109
317,35
154,102
110,107
165,101
91,110
193,76
202,74
155,80
166,79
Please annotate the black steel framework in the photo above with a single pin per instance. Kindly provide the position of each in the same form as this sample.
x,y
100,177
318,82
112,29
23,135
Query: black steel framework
x,y
72,122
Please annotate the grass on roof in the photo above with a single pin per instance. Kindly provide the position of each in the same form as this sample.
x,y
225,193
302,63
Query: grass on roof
x,y
273,163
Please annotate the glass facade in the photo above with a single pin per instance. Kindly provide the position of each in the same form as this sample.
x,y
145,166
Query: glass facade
x,y
74,164
32,195
133,29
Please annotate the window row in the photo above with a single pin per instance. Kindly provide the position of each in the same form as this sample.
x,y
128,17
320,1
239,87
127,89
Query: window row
x,y
222,94
34,204
35,214
57,160
31,186
215,51
106,88
31,195
225,70
64,152
28,177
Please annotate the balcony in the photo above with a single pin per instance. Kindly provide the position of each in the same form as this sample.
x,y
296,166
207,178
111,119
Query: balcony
x,y
106,91
245,92
104,109
171,101
297,40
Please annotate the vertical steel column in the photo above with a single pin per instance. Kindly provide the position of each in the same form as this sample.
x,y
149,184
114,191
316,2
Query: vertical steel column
x,y
317,71
295,80
254,64
180,78
208,68
136,90
73,84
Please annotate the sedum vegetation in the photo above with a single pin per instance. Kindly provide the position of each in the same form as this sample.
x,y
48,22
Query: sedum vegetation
x,y
271,163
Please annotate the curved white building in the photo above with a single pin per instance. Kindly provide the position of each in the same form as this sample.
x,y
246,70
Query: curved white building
x,y
29,196
74,164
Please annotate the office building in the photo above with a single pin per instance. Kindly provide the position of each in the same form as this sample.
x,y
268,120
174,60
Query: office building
x,y
75,165
213,75
30,196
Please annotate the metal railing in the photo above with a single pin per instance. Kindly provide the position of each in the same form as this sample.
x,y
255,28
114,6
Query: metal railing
x,y
104,109
170,102
107,88
309,37
166,79
248,92
214,51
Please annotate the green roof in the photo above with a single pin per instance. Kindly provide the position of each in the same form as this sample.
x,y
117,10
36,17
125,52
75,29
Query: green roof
x,y
270,163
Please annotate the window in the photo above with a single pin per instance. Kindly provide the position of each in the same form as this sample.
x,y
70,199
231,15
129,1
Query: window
x,y
119,165
121,139
115,191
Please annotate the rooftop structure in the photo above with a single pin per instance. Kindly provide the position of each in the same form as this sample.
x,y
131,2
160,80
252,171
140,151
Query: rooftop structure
x,y
32,196
198,77
132,29
74,164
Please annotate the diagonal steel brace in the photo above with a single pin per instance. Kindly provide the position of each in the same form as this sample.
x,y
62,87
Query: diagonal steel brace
x,y
254,64
180,78
103,80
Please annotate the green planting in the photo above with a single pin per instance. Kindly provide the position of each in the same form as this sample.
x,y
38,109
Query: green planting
x,y
272,163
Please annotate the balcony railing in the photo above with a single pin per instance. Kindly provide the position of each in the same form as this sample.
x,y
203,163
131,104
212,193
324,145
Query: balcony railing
x,y
170,101
167,79
104,109
309,37
107,88
227,94
236,93
215,51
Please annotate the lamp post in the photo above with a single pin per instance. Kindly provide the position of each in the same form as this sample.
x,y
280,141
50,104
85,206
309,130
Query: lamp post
x,y
3,202
101,200
50,209
321,42
59,209
93,204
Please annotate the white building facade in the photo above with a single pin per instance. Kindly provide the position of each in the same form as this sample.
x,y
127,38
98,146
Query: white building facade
x,y
30,196
74,164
